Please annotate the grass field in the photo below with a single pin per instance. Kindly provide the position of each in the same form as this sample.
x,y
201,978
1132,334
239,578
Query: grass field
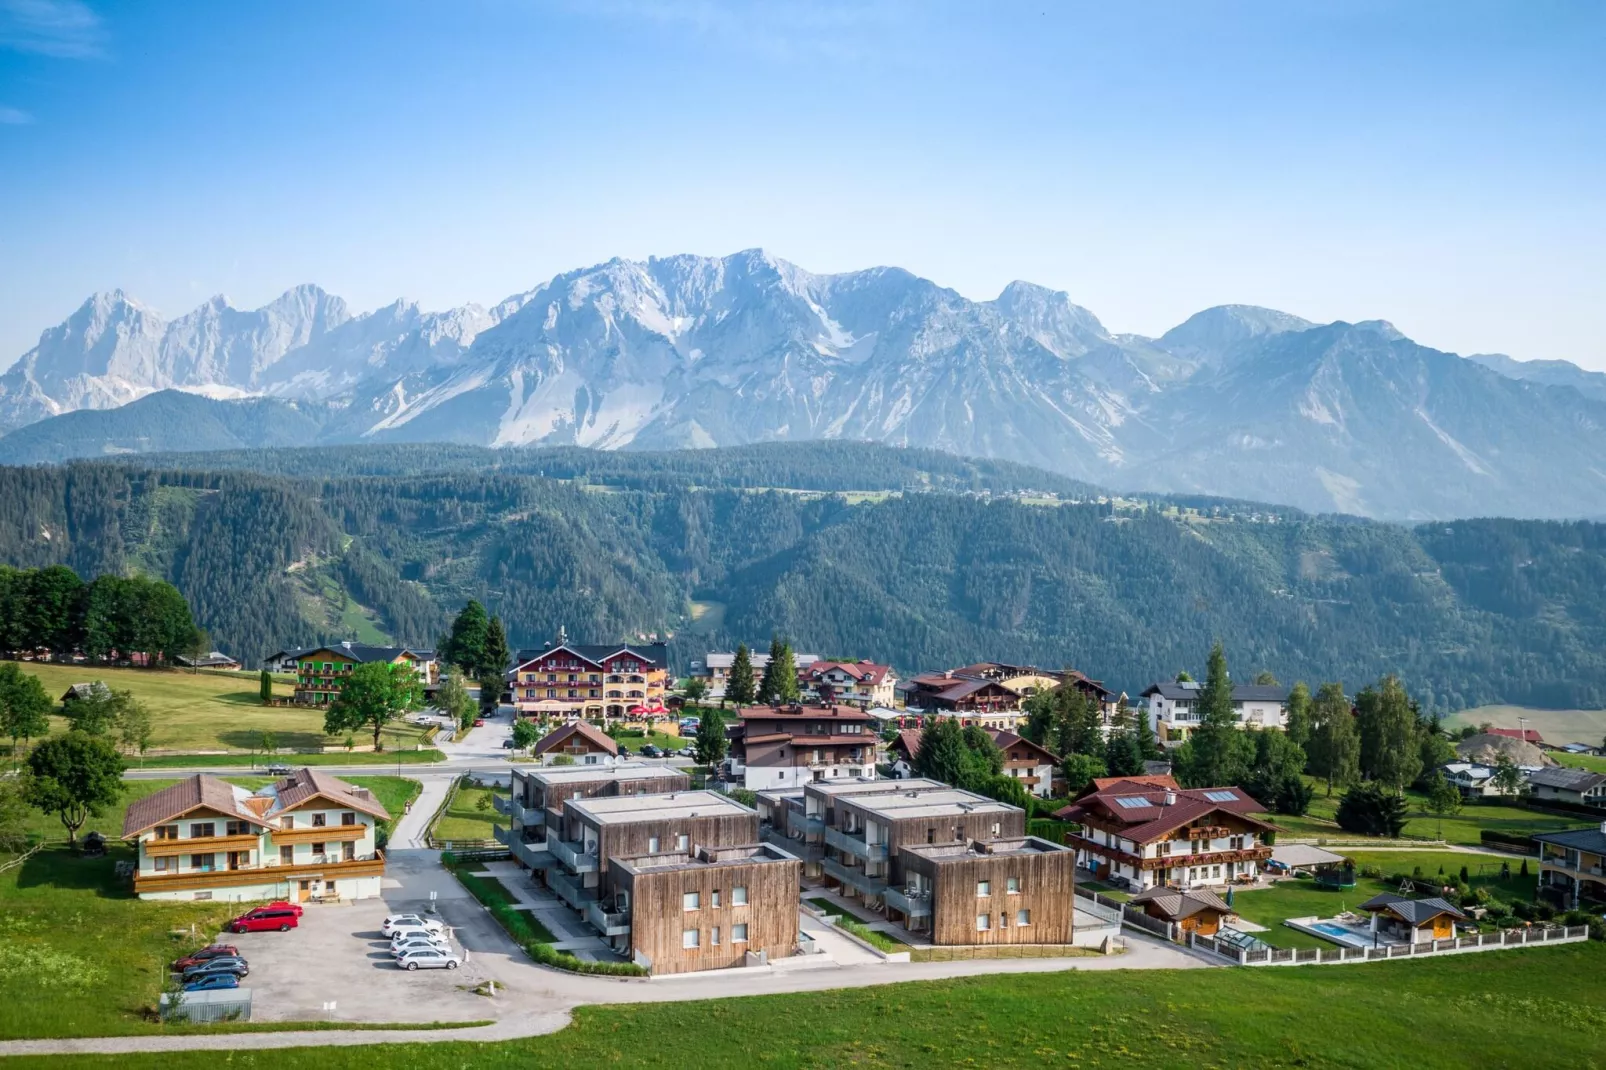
x,y
1461,828
246,761
463,819
79,955
211,710
1498,1009
1300,899
634,740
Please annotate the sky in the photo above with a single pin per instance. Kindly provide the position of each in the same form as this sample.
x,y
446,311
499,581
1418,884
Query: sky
x,y
1439,165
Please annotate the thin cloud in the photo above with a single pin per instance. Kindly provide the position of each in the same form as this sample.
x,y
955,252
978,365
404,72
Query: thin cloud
x,y
784,29
65,29
14,116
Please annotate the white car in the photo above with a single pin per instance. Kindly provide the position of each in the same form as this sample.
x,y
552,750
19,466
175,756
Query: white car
x,y
429,959
414,921
416,942
403,935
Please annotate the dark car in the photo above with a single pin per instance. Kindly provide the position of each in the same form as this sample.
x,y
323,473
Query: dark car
x,y
212,982
281,917
649,750
206,954
507,744
279,770
232,965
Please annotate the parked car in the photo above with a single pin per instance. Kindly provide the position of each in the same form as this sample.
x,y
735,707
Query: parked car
x,y
212,982
411,921
284,904
507,744
419,943
624,751
279,770
266,919
94,845
429,959
685,752
650,750
404,934
479,722
205,954
232,964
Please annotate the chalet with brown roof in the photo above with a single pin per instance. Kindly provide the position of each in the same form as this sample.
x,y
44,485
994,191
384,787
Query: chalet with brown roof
x,y
857,683
584,742
1194,910
1024,760
787,746
306,836
1147,831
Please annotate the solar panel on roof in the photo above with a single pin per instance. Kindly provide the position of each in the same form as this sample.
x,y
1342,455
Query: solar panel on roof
x,y
1222,796
1132,802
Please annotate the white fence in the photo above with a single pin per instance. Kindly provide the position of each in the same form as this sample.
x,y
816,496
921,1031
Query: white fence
x,y
1448,945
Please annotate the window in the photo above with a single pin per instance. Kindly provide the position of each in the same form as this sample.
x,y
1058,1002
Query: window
x,y
688,938
739,896
320,821
202,862
203,895
715,902
348,818
237,828
203,828
984,888
317,848
652,845
1003,921
1023,917
287,822
160,864
983,922
1222,796
681,842
996,828
739,933
167,832
1013,887
1133,802
287,856
349,852
691,901
713,937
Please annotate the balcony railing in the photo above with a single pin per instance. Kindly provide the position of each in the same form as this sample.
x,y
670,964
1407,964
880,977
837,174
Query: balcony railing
x,y
572,855
855,845
569,889
608,923
850,875
502,804
912,903
535,855
809,852
502,836
804,825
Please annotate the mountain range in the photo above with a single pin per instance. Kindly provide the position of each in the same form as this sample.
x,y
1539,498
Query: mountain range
x,y
690,351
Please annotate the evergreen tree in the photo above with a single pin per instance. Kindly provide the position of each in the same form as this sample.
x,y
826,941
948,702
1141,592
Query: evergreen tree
x,y
1372,811
1221,751
784,666
494,665
1391,747
376,693
711,744
942,754
1335,744
739,686
24,705
265,687
75,776
1147,744
1299,715
1123,753
1266,678
465,645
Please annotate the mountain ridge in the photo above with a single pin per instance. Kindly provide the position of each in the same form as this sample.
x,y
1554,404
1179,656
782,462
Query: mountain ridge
x,y
691,351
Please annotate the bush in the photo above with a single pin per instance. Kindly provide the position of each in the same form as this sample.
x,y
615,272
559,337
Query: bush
x,y
1371,811
1497,910
1372,872
1544,911
1523,910
1482,896
1510,923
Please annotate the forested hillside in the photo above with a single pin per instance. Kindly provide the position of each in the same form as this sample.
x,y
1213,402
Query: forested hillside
x,y
1468,613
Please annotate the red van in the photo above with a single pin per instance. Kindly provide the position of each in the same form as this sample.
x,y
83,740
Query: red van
x,y
277,916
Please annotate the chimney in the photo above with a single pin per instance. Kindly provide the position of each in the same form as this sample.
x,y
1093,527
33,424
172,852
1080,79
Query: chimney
x,y
1169,799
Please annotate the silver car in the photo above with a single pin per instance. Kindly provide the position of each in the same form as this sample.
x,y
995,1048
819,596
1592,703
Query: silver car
x,y
419,944
429,959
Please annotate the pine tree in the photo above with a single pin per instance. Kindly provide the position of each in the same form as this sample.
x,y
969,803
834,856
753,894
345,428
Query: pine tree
x,y
785,672
265,688
739,686
710,743
1391,748
1221,751
942,754
494,665
465,646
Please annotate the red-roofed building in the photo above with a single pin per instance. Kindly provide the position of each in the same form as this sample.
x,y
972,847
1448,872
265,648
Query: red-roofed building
x,y
1024,760
1148,832
1527,735
788,746
860,683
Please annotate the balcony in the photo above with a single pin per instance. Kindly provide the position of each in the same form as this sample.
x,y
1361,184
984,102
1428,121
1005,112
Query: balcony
x,y
201,845
606,922
502,804
855,845
854,877
802,824
502,836
573,856
809,852
271,871
535,855
911,903
569,889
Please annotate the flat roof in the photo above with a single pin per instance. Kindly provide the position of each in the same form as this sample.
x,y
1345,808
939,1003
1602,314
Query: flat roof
x,y
742,855
871,786
931,802
623,809
1018,845
569,774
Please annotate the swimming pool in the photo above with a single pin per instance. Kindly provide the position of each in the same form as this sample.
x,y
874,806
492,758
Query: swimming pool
x,y
1333,931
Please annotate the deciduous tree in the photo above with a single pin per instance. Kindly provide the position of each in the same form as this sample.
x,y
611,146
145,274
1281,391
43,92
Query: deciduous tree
x,y
1335,745
452,698
376,693
75,776
1391,749
24,705
1299,713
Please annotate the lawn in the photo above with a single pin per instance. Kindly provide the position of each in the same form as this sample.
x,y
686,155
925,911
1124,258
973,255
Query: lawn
x,y
634,740
1461,828
1495,1009
463,819
207,761
208,711
1300,899
1556,726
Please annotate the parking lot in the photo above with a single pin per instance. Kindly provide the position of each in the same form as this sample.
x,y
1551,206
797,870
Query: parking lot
x,y
338,955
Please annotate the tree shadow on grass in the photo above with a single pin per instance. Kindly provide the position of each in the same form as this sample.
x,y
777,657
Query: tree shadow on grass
x,y
251,739
58,867
243,698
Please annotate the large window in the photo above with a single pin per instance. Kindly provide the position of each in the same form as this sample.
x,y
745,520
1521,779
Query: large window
x,y
984,888
739,896
691,901
688,938
203,828
983,922
652,845
713,937
1023,917
681,842
739,933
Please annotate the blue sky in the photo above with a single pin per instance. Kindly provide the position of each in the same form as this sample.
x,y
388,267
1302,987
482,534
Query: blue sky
x,y
1441,165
